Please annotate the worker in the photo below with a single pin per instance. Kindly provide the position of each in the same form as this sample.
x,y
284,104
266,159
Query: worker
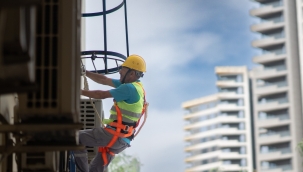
x,y
129,101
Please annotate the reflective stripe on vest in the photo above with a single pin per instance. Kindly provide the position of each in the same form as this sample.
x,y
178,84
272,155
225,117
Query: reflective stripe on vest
x,y
130,112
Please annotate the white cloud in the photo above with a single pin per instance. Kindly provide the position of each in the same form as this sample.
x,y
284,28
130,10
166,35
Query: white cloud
x,y
161,16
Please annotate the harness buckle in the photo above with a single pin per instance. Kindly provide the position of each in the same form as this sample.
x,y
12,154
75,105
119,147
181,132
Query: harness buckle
x,y
126,128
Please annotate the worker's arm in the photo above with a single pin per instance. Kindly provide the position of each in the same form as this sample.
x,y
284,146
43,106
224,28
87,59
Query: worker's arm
x,y
99,78
96,94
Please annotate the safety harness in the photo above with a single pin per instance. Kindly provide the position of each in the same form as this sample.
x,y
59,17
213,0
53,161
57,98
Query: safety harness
x,y
128,130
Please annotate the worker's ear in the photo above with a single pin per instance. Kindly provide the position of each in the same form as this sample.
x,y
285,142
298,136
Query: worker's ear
x,y
132,73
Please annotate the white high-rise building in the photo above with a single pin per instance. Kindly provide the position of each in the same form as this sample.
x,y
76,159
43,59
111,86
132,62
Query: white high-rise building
x,y
277,85
218,126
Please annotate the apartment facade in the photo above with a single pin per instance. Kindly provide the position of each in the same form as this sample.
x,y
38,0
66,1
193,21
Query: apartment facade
x,y
219,126
276,85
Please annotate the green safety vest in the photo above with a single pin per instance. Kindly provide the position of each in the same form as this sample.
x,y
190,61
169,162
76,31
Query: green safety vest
x,y
130,112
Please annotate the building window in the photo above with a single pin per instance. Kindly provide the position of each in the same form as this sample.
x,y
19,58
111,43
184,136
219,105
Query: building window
x,y
278,33
242,138
241,126
243,162
240,102
276,3
227,162
226,150
243,150
276,18
277,65
278,49
227,78
205,161
239,78
241,114
279,97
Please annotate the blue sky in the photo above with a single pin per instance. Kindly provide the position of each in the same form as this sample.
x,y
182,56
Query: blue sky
x,y
182,42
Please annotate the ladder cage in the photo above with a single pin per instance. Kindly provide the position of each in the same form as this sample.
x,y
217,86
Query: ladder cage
x,y
108,56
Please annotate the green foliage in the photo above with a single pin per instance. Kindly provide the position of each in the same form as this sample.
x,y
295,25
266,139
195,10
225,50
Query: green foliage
x,y
300,147
214,170
124,163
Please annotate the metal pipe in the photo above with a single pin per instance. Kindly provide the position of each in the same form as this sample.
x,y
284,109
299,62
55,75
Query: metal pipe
x,y
126,29
105,36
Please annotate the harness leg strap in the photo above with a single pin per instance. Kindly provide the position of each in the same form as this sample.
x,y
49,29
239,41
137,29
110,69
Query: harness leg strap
x,y
105,149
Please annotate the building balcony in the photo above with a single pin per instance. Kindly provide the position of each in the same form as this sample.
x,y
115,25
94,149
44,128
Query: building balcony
x,y
271,89
280,117
267,42
231,155
204,167
280,98
237,124
262,27
272,105
229,119
274,138
283,133
265,58
227,106
229,84
229,95
278,154
272,122
260,1
221,131
201,113
230,108
233,167
231,143
278,168
203,145
265,10
218,143
278,83
261,73
203,156
219,165
219,119
275,3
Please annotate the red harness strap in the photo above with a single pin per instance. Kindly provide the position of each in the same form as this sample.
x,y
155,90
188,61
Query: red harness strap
x,y
117,133
104,150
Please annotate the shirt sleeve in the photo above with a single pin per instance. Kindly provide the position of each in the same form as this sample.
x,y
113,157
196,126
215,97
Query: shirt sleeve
x,y
121,93
116,82
125,92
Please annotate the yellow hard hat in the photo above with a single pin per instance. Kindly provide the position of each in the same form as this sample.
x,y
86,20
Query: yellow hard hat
x,y
135,62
